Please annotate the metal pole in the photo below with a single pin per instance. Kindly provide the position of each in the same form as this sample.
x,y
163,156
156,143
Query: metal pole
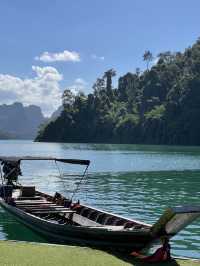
x,y
4,193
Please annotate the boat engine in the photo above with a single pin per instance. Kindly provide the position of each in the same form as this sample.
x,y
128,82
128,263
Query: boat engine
x,y
11,171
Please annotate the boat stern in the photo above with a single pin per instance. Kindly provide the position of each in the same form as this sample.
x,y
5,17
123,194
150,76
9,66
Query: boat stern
x,y
174,220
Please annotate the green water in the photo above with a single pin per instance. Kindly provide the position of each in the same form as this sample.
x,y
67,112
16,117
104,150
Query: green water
x,y
136,181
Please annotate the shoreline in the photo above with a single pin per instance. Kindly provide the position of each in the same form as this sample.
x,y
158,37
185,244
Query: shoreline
x,y
14,252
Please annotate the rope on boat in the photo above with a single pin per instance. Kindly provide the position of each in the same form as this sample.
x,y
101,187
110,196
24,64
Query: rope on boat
x,y
61,175
79,183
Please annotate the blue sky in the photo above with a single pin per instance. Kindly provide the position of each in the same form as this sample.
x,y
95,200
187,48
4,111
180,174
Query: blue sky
x,y
95,35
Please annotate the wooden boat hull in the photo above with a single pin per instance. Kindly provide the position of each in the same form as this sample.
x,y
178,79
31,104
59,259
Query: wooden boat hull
x,y
84,225
129,240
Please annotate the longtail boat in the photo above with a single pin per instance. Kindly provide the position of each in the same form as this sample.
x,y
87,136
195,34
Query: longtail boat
x,y
61,220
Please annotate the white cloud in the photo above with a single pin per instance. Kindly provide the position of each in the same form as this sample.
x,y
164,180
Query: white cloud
x,y
42,90
80,81
96,57
78,85
62,56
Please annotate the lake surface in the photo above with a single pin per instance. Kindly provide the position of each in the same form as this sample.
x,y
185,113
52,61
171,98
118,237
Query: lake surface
x,y
136,181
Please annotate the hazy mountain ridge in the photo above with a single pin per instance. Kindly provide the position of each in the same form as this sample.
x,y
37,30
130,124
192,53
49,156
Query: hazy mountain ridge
x,y
18,121
6,135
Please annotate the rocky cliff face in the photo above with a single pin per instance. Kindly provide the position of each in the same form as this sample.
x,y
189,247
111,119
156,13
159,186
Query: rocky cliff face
x,y
20,121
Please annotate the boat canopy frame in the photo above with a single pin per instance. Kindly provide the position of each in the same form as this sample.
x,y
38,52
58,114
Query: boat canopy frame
x,y
43,158
18,159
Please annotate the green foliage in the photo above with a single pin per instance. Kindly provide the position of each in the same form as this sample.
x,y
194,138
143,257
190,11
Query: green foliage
x,y
158,106
129,120
156,113
68,98
148,57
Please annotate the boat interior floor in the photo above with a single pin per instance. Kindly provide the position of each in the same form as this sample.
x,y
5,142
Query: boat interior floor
x,y
55,211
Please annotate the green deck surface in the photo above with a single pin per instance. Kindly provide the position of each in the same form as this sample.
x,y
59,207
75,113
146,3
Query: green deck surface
x,y
29,254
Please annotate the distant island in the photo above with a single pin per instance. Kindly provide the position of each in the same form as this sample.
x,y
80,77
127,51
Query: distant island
x,y
20,122
160,105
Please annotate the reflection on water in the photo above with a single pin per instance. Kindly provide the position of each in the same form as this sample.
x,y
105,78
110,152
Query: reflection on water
x,y
11,229
132,180
145,195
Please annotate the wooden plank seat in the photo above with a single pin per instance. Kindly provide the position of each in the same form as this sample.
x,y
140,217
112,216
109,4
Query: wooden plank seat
x,y
41,206
30,202
30,198
37,204
51,211
45,209
33,201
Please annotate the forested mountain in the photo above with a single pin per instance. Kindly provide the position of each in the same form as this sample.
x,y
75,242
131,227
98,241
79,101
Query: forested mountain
x,y
158,106
56,113
18,121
